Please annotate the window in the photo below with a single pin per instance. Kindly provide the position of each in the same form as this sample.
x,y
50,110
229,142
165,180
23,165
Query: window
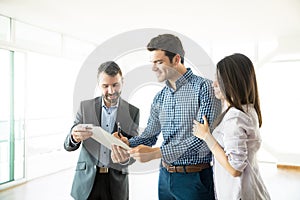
x,y
50,82
36,110
278,88
37,39
4,28
11,116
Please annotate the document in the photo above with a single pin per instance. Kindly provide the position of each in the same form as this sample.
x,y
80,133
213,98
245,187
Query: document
x,y
107,139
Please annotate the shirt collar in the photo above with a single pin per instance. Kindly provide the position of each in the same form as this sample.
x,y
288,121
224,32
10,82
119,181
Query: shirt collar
x,y
182,79
114,106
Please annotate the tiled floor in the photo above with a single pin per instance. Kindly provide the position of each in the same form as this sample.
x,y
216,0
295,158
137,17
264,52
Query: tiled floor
x,y
282,185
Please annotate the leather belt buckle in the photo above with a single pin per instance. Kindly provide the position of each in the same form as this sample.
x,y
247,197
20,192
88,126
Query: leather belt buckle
x,y
103,170
171,168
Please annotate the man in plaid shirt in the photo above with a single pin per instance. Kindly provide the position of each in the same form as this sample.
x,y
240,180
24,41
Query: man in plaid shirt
x,y
185,171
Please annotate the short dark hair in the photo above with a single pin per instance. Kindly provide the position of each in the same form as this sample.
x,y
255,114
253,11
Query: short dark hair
x,y
110,68
168,43
171,55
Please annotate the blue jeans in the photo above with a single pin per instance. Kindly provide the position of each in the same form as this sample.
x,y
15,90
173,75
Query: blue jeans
x,y
186,186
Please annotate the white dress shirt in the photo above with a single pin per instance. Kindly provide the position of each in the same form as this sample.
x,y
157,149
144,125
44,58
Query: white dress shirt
x,y
239,135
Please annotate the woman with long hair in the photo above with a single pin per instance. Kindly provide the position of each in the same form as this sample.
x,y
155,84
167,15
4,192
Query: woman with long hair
x,y
235,139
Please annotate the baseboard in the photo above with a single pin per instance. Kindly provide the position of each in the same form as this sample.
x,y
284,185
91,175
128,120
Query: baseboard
x,y
12,184
288,167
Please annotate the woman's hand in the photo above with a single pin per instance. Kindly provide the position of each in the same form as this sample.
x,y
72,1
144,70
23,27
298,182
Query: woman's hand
x,y
201,130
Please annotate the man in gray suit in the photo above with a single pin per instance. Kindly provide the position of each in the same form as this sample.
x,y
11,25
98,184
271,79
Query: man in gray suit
x,y
96,176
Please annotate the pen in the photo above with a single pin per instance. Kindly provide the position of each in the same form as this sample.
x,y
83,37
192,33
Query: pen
x,y
119,129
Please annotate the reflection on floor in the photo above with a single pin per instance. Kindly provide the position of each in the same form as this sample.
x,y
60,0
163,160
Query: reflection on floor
x,y
282,184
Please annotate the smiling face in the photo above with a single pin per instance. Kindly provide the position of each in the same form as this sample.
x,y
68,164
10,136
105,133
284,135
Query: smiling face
x,y
162,66
111,87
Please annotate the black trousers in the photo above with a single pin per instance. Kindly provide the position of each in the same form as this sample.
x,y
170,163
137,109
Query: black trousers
x,y
110,186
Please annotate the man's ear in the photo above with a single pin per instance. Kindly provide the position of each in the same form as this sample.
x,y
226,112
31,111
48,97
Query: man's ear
x,y
177,59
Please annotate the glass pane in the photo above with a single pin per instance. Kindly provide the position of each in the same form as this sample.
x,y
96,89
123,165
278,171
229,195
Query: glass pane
x,y
278,88
4,28
4,115
49,86
19,107
31,37
19,159
4,162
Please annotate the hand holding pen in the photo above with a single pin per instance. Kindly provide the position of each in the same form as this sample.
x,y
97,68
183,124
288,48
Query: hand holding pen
x,y
119,135
119,129
120,155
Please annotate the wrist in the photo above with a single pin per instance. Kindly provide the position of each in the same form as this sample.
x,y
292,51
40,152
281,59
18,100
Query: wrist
x,y
126,162
157,153
206,136
210,141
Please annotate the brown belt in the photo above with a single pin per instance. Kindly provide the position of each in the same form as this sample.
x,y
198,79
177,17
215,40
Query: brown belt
x,y
102,170
185,169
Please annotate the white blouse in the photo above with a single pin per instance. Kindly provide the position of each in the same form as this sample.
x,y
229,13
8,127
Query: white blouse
x,y
238,134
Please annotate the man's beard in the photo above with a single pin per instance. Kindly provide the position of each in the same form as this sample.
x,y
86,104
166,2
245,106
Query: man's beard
x,y
114,100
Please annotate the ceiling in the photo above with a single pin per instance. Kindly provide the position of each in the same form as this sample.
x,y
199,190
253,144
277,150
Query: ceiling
x,y
97,20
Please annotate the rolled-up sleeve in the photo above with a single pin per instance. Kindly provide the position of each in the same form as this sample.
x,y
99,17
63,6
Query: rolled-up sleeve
x,y
151,132
236,140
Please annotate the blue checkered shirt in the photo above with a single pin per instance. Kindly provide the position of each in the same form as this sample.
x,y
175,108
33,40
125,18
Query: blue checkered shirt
x,y
173,112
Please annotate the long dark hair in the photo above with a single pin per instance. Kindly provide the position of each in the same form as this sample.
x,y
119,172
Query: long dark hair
x,y
237,82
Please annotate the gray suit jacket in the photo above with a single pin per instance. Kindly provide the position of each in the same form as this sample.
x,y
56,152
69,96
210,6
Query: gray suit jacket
x,y
90,113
